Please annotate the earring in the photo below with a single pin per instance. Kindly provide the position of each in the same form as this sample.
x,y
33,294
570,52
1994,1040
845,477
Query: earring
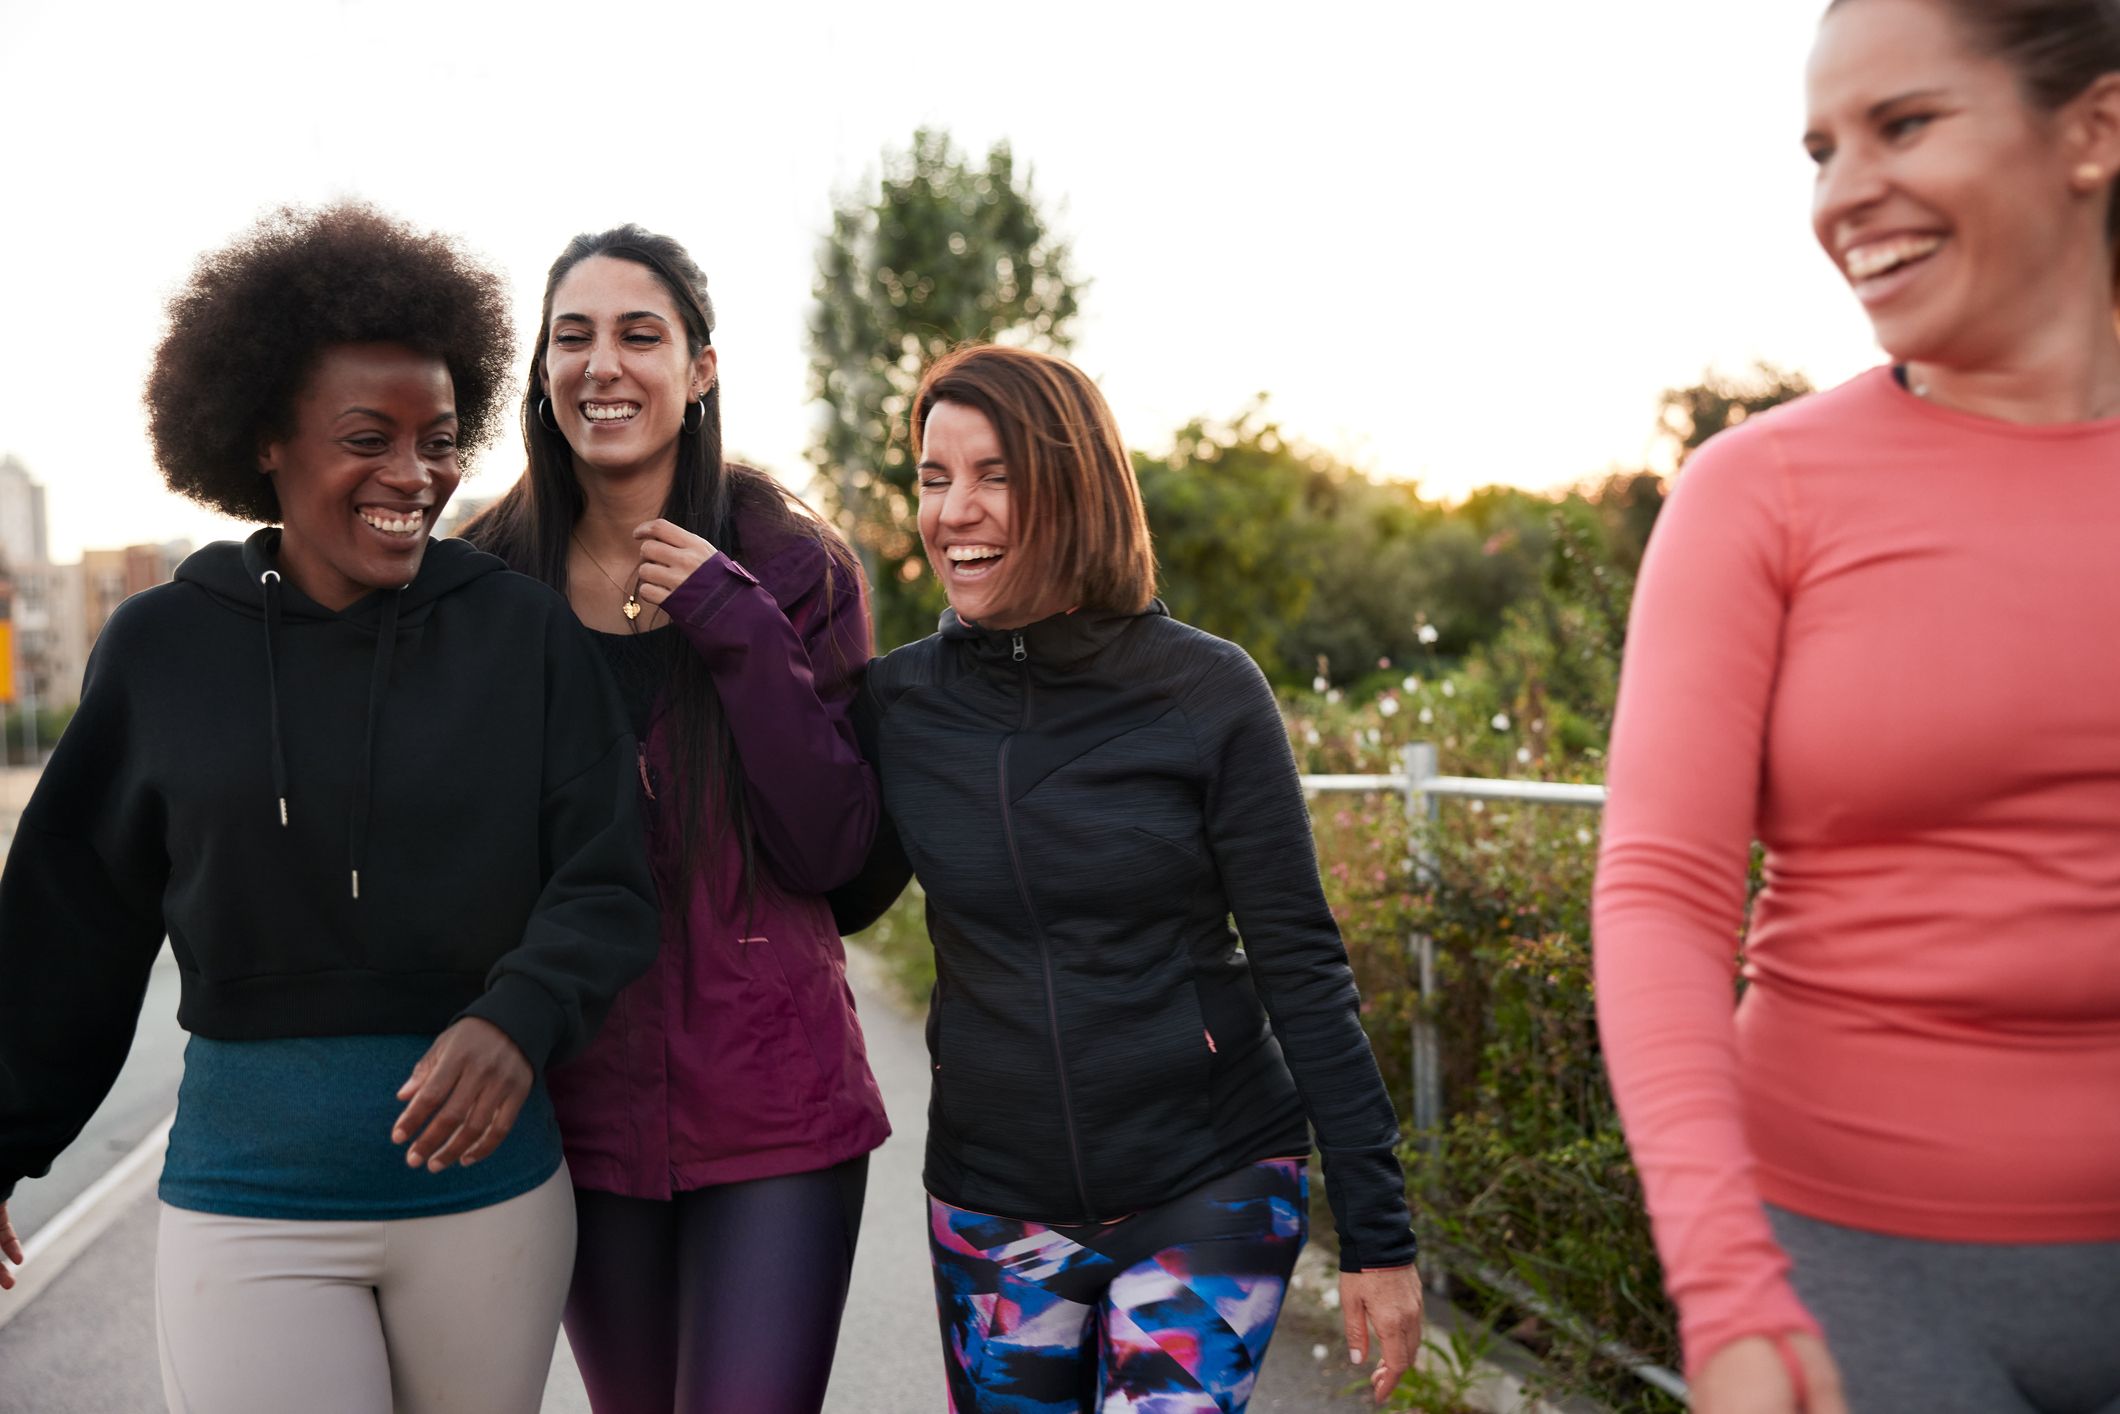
x,y
545,419
2089,177
692,424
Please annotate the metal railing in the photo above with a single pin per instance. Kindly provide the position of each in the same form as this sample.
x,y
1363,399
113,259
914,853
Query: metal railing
x,y
1424,789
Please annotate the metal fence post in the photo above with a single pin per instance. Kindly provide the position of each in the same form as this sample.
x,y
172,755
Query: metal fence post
x,y
1419,764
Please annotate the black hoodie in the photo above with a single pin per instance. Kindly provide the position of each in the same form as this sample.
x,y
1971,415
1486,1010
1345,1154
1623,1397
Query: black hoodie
x,y
375,821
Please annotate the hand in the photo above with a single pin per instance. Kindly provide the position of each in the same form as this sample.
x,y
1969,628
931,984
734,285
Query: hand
x,y
668,556
1390,1300
465,1094
1748,1377
10,1250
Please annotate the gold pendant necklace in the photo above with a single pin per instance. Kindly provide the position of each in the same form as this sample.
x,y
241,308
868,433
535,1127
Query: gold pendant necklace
x,y
631,608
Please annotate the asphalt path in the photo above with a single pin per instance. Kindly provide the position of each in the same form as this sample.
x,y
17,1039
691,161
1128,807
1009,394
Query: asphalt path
x,y
86,1343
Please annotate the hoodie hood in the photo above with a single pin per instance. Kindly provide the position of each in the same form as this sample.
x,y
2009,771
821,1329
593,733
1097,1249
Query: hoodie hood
x,y
245,579
234,574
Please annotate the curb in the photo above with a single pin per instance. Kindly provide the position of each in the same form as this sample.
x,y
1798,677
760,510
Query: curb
x,y
52,1248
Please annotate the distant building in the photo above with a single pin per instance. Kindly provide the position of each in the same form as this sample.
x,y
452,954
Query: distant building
x,y
24,538
57,610
51,634
113,576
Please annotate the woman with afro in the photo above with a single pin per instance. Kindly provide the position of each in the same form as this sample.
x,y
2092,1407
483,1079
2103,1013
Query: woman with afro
x,y
379,794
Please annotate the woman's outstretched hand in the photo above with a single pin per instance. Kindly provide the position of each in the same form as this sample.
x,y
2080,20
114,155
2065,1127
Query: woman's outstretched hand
x,y
463,1096
668,556
1389,1300
1749,1376
10,1250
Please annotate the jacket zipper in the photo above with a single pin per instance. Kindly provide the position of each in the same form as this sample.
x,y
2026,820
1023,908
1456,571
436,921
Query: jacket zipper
x,y
1045,951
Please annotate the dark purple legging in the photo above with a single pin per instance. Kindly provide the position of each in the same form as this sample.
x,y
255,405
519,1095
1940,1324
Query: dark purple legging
x,y
717,1300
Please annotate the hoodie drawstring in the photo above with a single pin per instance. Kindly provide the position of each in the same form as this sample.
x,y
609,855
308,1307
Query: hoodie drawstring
x,y
378,684
271,581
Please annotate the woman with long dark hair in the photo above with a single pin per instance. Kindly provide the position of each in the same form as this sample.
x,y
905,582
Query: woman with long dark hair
x,y
718,1130
1871,632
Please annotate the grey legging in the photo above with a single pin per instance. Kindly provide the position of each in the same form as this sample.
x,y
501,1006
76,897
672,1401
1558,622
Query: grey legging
x,y
1926,1327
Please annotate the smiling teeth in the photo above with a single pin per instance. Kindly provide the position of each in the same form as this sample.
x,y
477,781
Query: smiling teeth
x,y
619,413
1867,262
960,554
401,525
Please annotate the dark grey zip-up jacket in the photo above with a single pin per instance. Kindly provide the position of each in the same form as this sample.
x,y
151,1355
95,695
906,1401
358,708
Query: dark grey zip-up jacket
x,y
1088,802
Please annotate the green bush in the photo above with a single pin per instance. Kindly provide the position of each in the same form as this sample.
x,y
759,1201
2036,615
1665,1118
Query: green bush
x,y
1527,1176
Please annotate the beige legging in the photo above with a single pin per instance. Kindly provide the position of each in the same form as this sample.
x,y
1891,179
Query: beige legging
x,y
456,1313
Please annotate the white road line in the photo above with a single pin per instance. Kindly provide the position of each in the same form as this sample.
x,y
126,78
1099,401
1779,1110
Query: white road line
x,y
75,1227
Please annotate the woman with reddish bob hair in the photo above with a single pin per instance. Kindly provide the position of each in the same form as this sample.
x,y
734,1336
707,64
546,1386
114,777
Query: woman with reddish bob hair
x,y
1089,790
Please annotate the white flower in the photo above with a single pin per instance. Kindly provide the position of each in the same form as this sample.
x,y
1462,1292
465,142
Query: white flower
x,y
1427,716
1318,683
1479,807
1373,736
1582,837
1389,706
1411,684
1333,696
1426,633
1310,736
1500,722
1330,1297
1449,689
1523,756
1317,1352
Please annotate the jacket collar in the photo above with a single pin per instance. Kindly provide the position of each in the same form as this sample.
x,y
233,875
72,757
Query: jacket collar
x,y
1064,641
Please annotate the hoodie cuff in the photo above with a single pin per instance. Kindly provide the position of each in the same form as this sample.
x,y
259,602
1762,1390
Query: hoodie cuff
x,y
527,1013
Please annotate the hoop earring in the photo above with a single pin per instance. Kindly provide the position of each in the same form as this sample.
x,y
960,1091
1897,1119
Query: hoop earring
x,y
692,425
544,415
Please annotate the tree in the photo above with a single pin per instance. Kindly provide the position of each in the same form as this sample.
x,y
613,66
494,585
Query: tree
x,y
1235,551
946,252
1690,416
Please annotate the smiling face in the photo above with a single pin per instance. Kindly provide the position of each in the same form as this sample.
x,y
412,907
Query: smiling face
x,y
1947,200
616,367
364,471
965,514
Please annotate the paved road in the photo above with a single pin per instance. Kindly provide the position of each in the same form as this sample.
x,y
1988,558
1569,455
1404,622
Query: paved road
x,y
86,1344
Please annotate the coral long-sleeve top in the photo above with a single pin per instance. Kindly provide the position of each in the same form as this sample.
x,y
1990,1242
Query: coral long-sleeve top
x,y
1882,638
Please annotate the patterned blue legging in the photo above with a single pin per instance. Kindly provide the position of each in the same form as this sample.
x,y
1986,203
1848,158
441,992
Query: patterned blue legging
x,y
1167,1312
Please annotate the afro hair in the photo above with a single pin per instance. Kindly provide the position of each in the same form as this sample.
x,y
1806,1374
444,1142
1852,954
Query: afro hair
x,y
246,331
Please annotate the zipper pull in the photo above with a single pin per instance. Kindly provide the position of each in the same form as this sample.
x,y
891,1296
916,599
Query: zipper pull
x,y
1016,647
642,758
1210,1039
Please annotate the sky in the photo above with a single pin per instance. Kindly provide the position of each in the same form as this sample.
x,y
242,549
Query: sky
x,y
1458,243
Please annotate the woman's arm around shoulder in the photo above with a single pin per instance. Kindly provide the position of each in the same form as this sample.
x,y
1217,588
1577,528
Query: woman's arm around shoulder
x,y
863,899
786,645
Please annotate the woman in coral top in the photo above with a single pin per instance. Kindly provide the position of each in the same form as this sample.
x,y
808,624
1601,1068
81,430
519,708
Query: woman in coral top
x,y
1874,633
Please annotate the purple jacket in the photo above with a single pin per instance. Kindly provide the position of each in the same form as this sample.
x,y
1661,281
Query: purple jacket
x,y
738,1054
